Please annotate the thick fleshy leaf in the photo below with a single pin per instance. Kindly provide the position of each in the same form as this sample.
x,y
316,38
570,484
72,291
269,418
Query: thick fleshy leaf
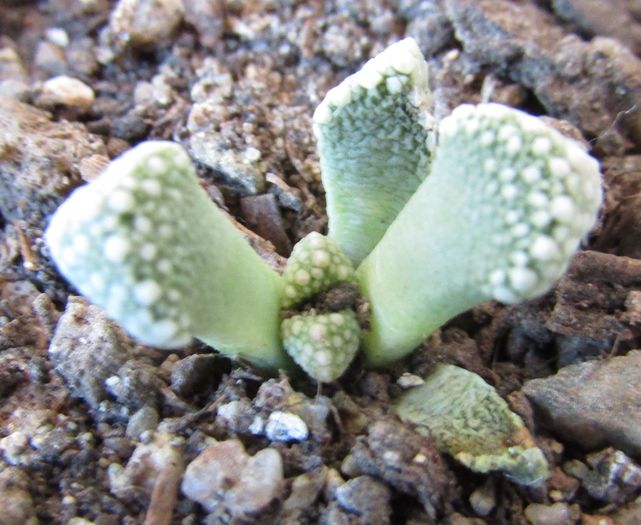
x,y
145,242
372,133
506,205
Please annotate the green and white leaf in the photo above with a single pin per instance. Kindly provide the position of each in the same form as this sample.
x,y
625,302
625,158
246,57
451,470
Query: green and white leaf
x,y
373,132
506,205
146,243
315,265
470,421
322,344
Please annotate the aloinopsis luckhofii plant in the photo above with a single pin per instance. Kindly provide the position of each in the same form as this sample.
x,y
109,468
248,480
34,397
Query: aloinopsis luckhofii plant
x,y
426,220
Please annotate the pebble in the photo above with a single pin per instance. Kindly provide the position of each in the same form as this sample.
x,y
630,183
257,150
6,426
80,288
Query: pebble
x,y
145,419
145,22
595,403
85,350
609,475
224,474
146,464
555,514
13,446
285,426
15,500
67,91
366,497
483,499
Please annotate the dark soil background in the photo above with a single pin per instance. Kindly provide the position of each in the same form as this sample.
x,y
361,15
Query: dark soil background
x,y
95,429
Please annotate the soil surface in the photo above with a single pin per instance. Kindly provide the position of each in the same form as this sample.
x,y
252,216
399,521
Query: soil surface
x,y
95,428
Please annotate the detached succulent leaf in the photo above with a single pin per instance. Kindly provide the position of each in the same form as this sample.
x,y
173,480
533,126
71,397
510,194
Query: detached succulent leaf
x,y
506,204
145,242
372,132
322,344
315,265
470,421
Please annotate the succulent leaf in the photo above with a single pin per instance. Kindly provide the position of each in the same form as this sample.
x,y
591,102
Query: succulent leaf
x,y
322,344
372,132
146,243
506,204
315,265
470,421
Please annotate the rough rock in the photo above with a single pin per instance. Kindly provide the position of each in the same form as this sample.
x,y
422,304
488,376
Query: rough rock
x,y
366,497
555,514
196,373
285,426
590,309
305,490
614,18
149,462
525,43
427,24
86,350
594,404
208,19
15,500
144,420
39,160
263,216
609,475
67,91
136,385
225,475
403,458
144,22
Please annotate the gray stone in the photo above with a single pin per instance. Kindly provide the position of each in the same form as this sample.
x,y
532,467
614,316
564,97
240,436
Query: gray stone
x,y
555,66
32,184
403,458
608,476
555,514
144,22
86,350
595,17
594,404
225,475
366,497
144,420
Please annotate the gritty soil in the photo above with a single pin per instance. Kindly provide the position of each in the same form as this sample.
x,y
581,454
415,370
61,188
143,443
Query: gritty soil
x,y
95,428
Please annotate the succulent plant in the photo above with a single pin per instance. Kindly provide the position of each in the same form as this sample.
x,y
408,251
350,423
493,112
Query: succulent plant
x,y
488,204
